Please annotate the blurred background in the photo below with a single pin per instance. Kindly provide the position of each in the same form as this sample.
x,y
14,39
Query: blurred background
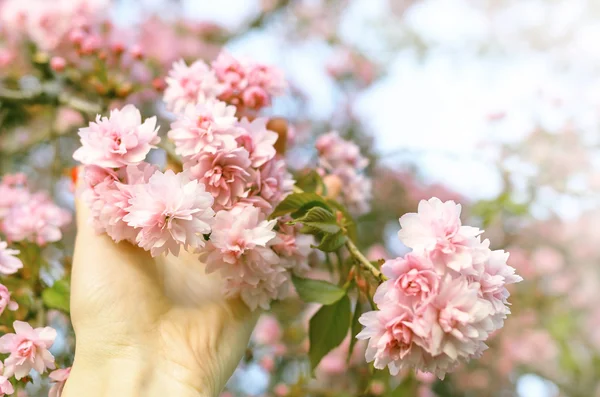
x,y
492,103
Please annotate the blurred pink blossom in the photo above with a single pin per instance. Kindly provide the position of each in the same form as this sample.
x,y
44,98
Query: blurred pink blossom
x,y
28,349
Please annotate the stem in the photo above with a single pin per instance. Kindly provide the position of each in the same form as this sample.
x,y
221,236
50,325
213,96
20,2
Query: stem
x,y
364,262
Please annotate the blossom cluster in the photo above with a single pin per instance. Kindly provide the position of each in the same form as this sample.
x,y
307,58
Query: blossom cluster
x,y
342,160
247,85
441,301
45,23
232,179
29,216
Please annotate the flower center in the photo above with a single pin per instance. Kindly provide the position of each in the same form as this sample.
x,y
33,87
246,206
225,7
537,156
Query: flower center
x,y
26,349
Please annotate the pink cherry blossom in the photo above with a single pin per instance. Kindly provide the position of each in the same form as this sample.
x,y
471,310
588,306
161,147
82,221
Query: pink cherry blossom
x,y
257,140
189,85
225,175
5,386
267,331
167,221
336,152
493,275
9,263
412,275
28,349
11,194
37,220
248,85
118,140
231,73
292,247
272,182
255,97
437,230
392,340
356,192
108,198
59,378
5,300
204,127
240,248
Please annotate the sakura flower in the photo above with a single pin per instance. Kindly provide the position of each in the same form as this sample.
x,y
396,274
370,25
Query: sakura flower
x,y
59,379
225,175
255,97
272,182
204,127
5,301
5,386
356,190
412,275
436,230
37,220
239,248
390,335
170,210
267,77
292,247
189,85
231,73
9,263
247,85
118,140
336,152
108,198
28,349
463,324
257,140
11,195
493,276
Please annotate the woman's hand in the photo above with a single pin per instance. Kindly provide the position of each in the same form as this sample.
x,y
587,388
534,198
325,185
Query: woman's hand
x,y
149,326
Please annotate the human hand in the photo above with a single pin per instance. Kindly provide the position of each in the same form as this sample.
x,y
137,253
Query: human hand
x,y
149,326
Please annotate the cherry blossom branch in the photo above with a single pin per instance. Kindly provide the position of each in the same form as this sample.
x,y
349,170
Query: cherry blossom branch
x,y
364,262
47,97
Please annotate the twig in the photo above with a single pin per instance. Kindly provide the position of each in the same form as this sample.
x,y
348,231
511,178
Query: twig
x,y
364,262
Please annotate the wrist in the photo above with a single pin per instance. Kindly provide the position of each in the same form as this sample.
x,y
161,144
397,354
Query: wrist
x,y
130,375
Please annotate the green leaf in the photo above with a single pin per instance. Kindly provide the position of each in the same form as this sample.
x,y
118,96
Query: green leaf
x,y
327,329
332,242
294,202
356,327
318,219
308,206
57,296
310,181
318,291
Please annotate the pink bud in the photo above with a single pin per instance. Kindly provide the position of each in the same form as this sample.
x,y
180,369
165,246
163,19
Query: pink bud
x,y
255,97
281,389
377,388
76,36
90,44
137,52
117,47
267,363
58,64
